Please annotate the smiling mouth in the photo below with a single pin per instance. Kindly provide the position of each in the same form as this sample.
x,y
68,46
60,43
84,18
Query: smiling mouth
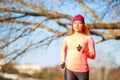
x,y
76,28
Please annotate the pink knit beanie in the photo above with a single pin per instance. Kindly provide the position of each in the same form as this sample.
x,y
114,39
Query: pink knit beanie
x,y
78,18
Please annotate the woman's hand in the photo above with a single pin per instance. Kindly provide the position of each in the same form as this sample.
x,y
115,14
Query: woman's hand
x,y
62,65
84,52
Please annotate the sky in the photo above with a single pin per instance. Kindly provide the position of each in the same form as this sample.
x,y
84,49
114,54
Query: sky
x,y
50,56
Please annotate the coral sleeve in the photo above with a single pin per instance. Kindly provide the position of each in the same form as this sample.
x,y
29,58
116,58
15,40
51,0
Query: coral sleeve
x,y
91,46
64,50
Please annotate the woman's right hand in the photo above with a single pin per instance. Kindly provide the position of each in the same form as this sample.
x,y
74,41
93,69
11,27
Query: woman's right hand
x,y
62,65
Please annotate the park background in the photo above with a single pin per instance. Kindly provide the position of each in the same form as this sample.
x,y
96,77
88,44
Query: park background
x,y
32,31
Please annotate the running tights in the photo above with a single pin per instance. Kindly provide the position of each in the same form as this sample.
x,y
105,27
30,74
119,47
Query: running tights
x,y
70,75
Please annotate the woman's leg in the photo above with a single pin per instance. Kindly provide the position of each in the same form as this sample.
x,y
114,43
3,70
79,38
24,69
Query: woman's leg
x,y
69,75
82,75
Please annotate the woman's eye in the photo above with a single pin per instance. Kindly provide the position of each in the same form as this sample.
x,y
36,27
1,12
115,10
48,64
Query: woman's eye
x,y
78,23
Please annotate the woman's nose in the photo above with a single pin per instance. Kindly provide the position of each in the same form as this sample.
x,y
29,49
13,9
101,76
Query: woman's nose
x,y
77,24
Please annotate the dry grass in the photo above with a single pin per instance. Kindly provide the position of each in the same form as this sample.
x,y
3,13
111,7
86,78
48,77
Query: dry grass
x,y
55,73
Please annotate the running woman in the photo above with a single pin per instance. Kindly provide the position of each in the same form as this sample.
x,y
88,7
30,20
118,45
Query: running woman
x,y
76,49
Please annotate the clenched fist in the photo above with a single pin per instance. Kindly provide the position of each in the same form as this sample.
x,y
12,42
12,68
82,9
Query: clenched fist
x,y
62,65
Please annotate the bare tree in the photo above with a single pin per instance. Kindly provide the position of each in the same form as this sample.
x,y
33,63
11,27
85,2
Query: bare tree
x,y
20,20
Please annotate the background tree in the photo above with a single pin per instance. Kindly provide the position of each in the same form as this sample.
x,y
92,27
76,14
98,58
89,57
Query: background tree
x,y
22,20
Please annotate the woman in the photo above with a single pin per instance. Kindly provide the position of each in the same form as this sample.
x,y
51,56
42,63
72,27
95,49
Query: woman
x,y
77,48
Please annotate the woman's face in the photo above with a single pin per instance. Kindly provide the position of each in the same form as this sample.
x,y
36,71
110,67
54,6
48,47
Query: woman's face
x,y
77,26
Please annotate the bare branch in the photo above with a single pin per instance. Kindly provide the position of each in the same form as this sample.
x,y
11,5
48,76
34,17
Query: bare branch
x,y
47,13
90,11
104,26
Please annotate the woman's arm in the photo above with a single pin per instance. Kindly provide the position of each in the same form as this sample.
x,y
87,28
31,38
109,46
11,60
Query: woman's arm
x,y
91,49
64,51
